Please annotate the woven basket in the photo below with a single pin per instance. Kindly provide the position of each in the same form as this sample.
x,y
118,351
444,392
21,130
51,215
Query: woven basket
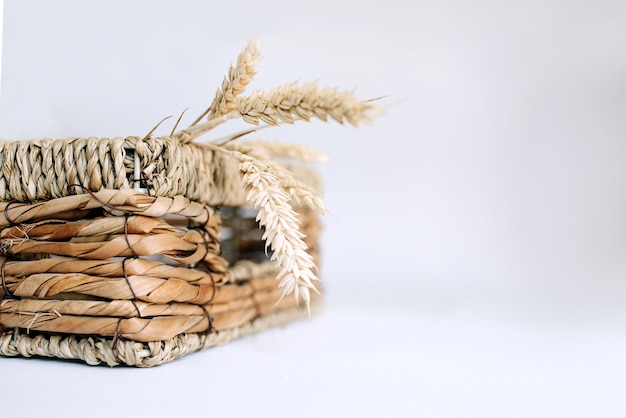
x,y
137,251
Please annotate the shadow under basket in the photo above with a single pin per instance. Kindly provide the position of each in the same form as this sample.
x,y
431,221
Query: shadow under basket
x,y
130,251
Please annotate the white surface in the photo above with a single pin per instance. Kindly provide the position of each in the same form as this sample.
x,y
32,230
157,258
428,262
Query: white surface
x,y
470,359
475,260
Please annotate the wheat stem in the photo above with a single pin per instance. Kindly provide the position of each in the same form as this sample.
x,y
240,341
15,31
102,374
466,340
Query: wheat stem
x,y
189,134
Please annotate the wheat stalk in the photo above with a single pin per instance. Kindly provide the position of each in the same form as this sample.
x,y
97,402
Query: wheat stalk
x,y
269,186
239,76
263,185
290,103
287,104
293,101
297,190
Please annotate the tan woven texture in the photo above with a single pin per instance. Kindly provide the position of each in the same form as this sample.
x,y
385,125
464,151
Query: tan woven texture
x,y
95,350
42,169
95,270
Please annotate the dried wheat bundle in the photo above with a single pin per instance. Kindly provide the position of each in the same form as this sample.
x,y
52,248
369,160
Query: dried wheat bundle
x,y
287,103
269,186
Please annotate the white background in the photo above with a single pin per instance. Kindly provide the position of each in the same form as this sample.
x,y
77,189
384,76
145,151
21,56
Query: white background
x,y
474,260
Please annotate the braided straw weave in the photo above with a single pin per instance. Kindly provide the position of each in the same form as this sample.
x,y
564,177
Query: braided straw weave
x,y
42,169
111,248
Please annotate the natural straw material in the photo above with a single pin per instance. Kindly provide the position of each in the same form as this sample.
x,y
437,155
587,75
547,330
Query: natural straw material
x,y
147,322
111,249
43,169
96,350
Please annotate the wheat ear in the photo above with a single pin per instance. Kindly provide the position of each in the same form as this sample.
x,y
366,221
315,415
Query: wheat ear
x,y
262,184
290,103
282,104
270,188
234,83
293,101
302,193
